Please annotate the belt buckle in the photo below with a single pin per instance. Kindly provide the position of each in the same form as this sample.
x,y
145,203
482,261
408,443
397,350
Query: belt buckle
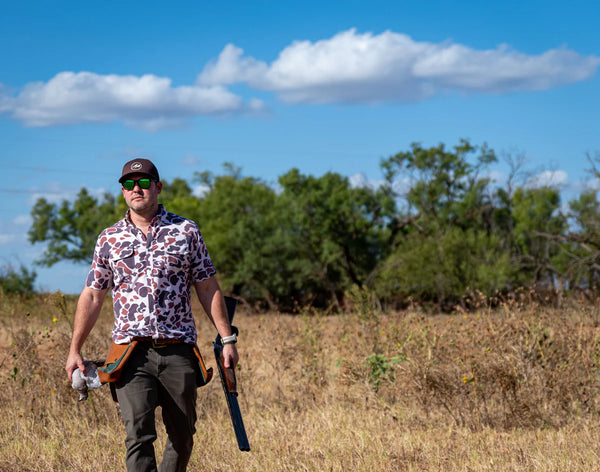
x,y
158,345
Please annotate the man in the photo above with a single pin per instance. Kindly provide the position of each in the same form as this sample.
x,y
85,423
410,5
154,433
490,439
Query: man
x,y
149,259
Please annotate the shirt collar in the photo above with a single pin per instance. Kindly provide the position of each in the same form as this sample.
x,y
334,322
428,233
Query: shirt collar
x,y
159,218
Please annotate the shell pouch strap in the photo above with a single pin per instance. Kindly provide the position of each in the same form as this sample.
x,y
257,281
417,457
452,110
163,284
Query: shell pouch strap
x,y
204,374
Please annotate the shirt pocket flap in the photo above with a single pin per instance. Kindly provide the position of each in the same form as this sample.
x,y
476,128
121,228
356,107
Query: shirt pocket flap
x,y
124,263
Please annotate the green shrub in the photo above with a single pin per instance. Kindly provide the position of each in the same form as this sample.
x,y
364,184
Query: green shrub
x,y
20,282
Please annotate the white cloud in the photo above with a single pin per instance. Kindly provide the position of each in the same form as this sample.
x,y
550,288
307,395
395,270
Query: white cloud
x,y
496,177
347,68
55,192
199,191
351,67
22,220
362,181
588,185
231,67
7,239
359,181
549,178
402,186
148,102
190,161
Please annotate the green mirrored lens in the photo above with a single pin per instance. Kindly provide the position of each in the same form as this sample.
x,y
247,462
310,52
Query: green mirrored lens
x,y
130,184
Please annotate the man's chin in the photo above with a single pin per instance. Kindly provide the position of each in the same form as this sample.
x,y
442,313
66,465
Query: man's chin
x,y
141,207
138,202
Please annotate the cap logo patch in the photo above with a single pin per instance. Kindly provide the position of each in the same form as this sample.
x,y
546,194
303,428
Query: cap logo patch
x,y
136,166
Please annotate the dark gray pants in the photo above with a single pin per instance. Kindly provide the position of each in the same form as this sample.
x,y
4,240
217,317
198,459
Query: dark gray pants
x,y
164,377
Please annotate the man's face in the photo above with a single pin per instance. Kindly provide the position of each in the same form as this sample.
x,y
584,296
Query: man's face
x,y
142,200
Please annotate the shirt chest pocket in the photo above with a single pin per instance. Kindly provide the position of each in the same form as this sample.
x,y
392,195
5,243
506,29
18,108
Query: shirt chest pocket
x,y
172,262
176,261
124,266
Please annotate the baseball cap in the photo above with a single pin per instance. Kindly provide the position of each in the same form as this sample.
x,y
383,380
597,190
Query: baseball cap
x,y
139,166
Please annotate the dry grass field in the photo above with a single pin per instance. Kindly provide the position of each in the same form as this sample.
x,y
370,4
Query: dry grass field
x,y
510,389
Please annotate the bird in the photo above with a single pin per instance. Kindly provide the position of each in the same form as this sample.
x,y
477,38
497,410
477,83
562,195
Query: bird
x,y
82,382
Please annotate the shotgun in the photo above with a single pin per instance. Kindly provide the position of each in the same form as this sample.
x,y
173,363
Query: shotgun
x,y
229,383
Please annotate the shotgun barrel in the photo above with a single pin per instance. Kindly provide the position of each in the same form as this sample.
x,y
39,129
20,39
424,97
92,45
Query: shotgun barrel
x,y
229,383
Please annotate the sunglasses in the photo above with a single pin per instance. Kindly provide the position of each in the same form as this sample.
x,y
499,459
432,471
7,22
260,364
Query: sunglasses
x,y
143,183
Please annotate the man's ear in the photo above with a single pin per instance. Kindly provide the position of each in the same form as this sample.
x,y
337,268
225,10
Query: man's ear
x,y
159,186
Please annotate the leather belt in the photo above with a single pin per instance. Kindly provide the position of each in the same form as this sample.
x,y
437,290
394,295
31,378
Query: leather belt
x,y
158,343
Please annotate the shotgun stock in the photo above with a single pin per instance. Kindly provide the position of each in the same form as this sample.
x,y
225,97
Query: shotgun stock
x,y
229,383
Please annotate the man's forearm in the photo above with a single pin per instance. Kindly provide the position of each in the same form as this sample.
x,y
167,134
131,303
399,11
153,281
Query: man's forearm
x,y
88,308
210,296
87,312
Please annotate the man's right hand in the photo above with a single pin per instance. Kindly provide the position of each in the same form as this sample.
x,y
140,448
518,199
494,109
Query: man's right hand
x,y
74,361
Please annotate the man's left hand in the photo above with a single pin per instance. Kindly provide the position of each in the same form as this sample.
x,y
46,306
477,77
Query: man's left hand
x,y
230,356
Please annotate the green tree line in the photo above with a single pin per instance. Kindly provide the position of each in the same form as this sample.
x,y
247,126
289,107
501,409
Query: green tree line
x,y
436,230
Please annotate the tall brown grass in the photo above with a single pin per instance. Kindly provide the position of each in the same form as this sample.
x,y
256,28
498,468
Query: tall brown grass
x,y
514,388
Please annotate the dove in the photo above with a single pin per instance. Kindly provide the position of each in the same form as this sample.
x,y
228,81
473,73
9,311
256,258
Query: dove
x,y
81,383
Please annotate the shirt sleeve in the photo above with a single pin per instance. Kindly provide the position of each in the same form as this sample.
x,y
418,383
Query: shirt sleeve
x,y
100,276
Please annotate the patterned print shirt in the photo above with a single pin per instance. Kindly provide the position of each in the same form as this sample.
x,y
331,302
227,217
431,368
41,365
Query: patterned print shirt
x,y
151,276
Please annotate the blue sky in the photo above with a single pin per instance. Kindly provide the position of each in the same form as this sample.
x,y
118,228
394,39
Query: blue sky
x,y
321,86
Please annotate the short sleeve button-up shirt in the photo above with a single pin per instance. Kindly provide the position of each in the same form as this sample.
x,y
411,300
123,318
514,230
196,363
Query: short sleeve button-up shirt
x,y
151,276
